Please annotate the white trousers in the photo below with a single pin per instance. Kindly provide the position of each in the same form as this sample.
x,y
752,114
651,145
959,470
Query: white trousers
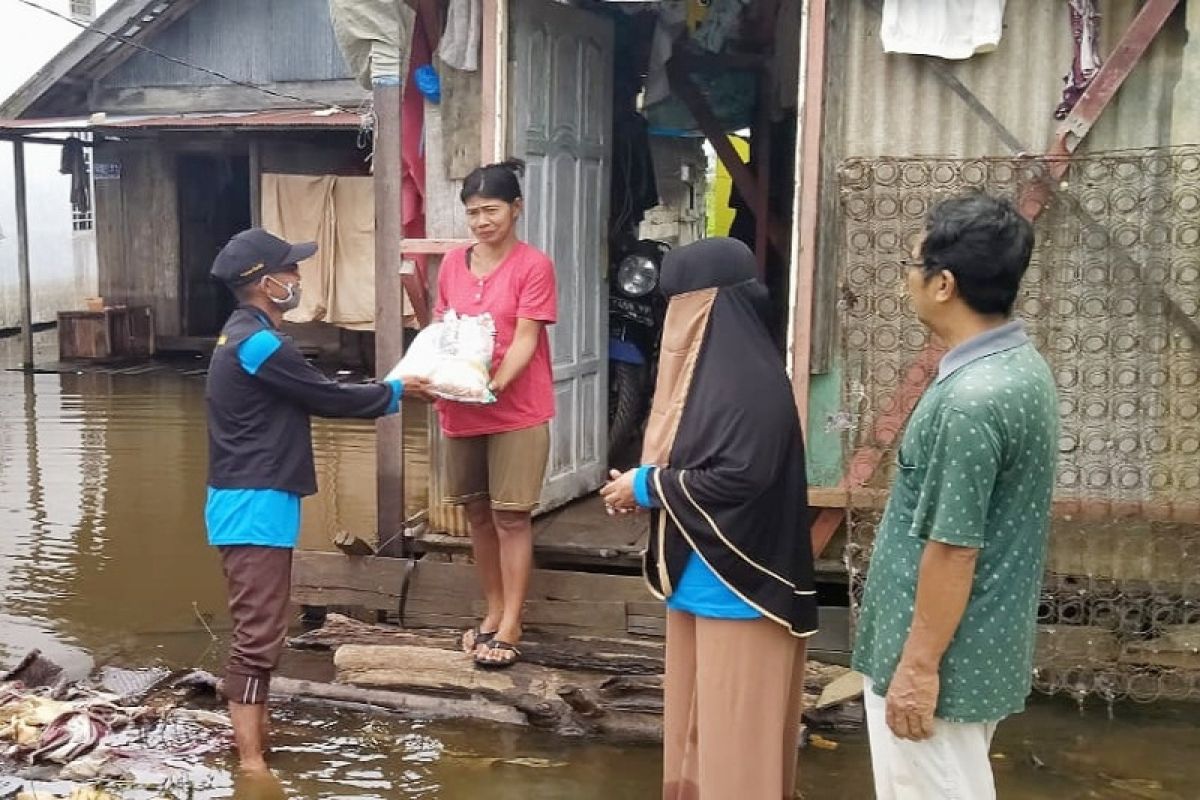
x,y
953,764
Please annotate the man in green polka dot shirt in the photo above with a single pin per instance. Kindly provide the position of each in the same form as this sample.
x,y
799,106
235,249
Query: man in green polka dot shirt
x,y
946,634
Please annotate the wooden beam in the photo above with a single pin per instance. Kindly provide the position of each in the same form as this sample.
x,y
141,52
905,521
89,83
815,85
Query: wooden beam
x,y
1099,94
432,247
824,527
18,148
744,179
832,502
210,99
389,313
687,91
15,136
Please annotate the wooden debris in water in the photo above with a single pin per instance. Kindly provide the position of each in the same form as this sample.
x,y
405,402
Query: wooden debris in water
x,y
572,685
847,687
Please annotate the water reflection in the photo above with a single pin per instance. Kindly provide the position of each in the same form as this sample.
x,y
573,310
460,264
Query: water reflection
x,y
104,555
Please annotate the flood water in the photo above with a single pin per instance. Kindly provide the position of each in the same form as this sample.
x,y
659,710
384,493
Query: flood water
x,y
103,561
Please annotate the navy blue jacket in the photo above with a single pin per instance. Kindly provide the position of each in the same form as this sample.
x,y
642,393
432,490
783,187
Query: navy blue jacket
x,y
259,403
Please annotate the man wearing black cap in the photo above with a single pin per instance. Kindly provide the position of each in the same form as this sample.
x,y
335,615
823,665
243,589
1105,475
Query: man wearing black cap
x,y
261,392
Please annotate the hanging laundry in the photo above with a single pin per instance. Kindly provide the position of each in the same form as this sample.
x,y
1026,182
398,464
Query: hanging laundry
x,y
373,37
953,29
74,163
672,22
412,144
464,29
1085,29
428,82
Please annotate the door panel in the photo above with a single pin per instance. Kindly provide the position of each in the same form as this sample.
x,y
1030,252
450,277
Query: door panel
x,y
561,118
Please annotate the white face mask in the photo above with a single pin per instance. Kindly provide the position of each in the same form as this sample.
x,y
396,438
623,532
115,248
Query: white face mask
x,y
290,300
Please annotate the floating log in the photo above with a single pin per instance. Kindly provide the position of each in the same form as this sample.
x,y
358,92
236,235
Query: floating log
x,y
537,692
424,706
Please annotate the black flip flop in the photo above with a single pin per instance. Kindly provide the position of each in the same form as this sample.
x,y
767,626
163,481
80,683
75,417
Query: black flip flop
x,y
497,644
480,638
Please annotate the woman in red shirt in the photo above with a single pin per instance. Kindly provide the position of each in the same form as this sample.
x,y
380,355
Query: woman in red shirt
x,y
495,455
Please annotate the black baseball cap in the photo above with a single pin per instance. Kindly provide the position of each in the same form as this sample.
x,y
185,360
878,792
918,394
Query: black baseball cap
x,y
254,253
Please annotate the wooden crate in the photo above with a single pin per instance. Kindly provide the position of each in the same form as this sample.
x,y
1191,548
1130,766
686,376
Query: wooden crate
x,y
111,334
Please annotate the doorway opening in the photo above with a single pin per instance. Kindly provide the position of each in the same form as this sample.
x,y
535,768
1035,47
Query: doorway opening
x,y
214,204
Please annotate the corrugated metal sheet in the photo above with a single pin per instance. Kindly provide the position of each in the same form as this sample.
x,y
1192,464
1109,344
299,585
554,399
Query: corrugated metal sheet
x,y
898,106
264,41
299,118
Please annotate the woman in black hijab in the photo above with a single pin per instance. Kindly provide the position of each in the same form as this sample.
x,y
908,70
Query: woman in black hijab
x,y
729,546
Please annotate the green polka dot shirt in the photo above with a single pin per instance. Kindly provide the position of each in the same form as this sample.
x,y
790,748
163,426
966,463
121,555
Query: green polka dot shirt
x,y
976,469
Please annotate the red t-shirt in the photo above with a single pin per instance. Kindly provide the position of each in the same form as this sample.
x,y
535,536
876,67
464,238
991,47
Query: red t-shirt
x,y
522,287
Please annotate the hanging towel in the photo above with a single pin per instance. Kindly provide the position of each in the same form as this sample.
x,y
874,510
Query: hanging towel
x,y
954,29
460,41
338,213
1085,30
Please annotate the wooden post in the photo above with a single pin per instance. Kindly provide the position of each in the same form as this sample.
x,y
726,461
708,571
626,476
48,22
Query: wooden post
x,y
389,312
760,143
493,64
23,256
255,183
807,197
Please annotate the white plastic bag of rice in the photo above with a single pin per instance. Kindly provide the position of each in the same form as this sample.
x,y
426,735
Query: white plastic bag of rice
x,y
455,356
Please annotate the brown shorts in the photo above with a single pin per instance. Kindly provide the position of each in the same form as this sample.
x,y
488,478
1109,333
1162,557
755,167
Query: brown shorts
x,y
259,581
509,468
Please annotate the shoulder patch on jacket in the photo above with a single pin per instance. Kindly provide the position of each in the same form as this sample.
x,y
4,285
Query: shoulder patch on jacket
x,y
256,349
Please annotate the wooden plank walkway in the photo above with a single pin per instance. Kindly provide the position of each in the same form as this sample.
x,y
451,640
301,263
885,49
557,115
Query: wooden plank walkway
x,y
581,534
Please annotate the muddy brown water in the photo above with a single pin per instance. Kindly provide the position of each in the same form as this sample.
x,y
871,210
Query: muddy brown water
x,y
103,561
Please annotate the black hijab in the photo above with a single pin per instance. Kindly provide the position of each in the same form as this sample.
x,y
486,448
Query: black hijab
x,y
726,436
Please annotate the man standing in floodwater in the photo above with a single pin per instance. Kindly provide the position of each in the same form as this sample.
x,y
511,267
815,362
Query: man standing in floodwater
x,y
260,394
946,634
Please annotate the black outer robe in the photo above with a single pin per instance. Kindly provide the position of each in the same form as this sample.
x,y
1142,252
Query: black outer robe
x,y
733,487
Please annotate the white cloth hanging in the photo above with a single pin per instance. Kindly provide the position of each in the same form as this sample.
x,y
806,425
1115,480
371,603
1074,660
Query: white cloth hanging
x,y
954,29
464,29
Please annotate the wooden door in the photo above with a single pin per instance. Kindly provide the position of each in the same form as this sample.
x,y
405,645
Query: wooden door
x,y
560,112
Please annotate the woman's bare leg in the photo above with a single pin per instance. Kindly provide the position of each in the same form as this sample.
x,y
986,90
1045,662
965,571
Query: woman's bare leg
x,y
486,545
514,530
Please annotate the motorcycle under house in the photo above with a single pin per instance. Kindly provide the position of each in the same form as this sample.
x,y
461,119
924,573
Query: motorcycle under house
x,y
636,309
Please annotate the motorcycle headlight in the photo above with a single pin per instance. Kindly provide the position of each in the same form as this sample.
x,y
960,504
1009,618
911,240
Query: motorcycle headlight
x,y
637,276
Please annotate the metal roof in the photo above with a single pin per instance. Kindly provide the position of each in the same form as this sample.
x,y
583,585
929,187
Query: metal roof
x,y
92,53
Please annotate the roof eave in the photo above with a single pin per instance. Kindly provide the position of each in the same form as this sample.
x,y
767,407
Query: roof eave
x,y
120,16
